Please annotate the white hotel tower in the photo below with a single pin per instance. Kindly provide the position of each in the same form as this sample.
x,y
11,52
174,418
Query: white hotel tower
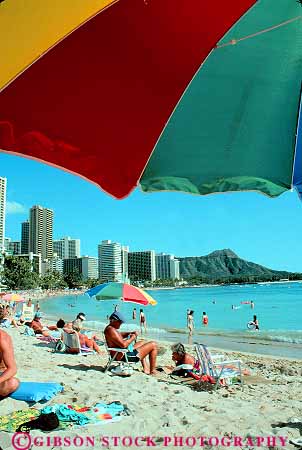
x,y
111,261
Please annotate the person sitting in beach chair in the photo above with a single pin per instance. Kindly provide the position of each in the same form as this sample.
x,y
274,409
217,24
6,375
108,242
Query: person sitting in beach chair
x,y
79,321
85,341
6,317
121,340
8,367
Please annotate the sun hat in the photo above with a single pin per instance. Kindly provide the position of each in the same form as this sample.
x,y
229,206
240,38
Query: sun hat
x,y
117,316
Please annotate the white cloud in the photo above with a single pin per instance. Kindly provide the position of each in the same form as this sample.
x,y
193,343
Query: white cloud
x,y
15,208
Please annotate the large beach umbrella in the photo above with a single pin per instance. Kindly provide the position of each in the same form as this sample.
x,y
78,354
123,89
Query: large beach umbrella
x,y
188,95
124,291
13,298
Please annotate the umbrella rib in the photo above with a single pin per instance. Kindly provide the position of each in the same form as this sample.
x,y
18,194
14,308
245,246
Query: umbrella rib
x,y
266,30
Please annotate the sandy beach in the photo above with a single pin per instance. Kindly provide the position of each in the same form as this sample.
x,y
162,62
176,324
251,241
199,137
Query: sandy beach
x,y
162,406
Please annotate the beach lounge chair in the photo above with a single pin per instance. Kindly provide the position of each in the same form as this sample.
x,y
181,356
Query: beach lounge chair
x,y
219,370
28,313
72,344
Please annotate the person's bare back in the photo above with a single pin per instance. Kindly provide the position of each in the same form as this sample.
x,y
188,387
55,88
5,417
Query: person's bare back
x,y
8,367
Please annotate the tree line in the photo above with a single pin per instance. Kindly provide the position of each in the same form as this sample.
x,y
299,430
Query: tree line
x,y
18,274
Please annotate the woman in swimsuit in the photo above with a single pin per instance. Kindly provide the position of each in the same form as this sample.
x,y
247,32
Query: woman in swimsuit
x,y
142,321
180,356
191,322
205,319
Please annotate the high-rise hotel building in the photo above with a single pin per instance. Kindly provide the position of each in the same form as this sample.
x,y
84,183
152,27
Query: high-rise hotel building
x,y
41,231
167,267
67,247
25,237
110,261
2,212
141,266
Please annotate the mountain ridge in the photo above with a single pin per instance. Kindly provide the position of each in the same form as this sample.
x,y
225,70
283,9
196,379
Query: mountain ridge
x,y
226,264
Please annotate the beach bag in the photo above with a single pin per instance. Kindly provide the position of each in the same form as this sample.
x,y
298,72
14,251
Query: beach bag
x,y
122,370
29,331
60,346
45,422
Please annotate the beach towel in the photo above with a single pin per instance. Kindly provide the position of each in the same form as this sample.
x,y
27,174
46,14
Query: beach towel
x,y
11,422
48,339
79,415
101,412
66,414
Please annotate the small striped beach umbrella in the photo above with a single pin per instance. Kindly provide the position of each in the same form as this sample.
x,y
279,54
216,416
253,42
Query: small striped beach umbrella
x,y
198,96
13,298
123,291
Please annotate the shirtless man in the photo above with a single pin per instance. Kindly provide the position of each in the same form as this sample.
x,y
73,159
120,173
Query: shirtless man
x,y
117,339
8,368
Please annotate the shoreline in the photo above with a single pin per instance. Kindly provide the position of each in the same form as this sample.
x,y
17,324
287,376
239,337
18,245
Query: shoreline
x,y
265,343
221,342
44,294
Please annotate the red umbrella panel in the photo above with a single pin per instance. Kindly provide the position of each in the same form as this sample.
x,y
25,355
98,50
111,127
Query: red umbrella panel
x,y
102,95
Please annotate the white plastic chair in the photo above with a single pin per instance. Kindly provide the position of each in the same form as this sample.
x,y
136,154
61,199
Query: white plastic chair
x,y
112,359
71,341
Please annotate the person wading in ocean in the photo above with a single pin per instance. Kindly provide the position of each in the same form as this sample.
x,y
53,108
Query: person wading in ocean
x,y
191,322
142,321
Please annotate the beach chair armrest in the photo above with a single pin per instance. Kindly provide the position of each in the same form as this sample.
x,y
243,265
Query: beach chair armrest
x,y
217,356
118,350
224,363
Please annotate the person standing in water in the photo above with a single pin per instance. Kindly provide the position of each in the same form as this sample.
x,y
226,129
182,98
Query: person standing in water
x,y
191,322
142,321
134,314
252,305
256,323
188,313
205,319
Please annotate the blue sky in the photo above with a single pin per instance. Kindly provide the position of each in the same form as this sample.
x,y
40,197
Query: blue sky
x,y
259,229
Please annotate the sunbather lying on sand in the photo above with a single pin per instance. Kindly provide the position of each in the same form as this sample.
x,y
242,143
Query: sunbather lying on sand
x,y
117,339
8,368
39,328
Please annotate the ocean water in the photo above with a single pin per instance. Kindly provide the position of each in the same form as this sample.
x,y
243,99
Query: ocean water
x,y
278,307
